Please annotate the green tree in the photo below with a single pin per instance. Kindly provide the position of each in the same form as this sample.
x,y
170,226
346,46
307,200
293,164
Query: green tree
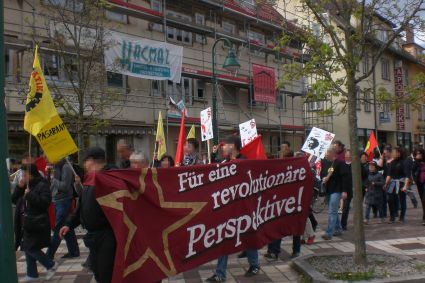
x,y
350,31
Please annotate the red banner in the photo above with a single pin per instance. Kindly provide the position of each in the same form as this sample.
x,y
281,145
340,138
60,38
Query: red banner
x,y
264,80
167,221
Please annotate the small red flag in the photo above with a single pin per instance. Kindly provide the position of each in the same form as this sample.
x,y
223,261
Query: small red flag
x,y
181,142
254,149
371,145
41,164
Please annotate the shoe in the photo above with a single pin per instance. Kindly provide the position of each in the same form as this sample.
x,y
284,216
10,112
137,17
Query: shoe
x,y
51,272
402,221
252,271
381,221
366,222
310,240
340,211
215,278
326,237
303,242
295,255
28,279
68,255
271,257
392,221
344,228
423,223
242,255
337,233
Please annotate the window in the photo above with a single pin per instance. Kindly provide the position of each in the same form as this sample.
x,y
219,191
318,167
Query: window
x,y
256,37
181,91
74,5
8,62
385,69
358,98
281,100
70,69
365,63
383,35
407,113
200,20
177,34
51,67
116,17
248,3
405,77
315,106
115,79
156,88
315,29
367,102
386,107
200,90
421,113
156,5
229,94
228,27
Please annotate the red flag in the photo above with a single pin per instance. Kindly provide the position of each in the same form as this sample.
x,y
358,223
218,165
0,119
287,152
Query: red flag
x,y
371,145
182,140
254,149
41,164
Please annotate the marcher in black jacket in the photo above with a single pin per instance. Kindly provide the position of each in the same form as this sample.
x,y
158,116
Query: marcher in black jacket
x,y
18,201
100,238
36,223
418,172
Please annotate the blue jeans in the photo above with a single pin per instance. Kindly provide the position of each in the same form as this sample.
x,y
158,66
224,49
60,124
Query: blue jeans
x,y
334,225
221,268
31,257
62,210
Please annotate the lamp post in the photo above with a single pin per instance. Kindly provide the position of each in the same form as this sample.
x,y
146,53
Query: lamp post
x,y
7,251
231,64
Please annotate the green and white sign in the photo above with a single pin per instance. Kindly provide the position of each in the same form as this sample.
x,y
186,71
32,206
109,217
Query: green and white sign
x,y
144,58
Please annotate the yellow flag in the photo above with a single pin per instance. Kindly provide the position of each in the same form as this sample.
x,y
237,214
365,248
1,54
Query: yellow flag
x,y
55,140
42,119
161,146
39,107
192,133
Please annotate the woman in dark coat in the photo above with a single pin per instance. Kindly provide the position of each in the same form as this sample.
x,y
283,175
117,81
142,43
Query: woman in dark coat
x,y
418,172
36,223
374,198
18,201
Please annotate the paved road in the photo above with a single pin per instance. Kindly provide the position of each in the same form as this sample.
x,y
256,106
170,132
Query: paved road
x,y
407,239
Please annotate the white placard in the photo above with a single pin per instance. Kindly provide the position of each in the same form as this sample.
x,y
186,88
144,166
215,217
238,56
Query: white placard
x,y
144,58
206,125
318,142
248,131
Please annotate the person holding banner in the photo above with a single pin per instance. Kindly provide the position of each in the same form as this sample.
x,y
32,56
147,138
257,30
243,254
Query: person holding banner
x,y
100,238
333,178
124,151
231,148
190,156
62,181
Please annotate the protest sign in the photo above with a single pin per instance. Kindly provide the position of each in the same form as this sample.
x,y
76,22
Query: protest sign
x,y
317,142
248,131
206,124
169,220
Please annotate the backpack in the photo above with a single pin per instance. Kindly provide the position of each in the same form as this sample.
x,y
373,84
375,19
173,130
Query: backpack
x,y
80,172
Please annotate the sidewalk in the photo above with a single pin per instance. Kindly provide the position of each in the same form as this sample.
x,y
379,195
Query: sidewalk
x,y
407,239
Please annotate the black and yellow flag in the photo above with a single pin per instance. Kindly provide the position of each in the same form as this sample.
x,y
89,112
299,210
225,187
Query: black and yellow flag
x,y
42,119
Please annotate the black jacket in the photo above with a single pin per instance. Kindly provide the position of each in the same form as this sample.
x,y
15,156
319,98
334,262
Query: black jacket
x,y
337,181
348,177
88,212
37,203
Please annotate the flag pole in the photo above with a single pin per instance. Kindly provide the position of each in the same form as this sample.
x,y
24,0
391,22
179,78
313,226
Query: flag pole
x,y
154,151
209,151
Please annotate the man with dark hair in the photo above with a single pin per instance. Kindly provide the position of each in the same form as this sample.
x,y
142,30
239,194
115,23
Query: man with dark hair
x,y
231,148
333,178
62,187
100,238
340,150
124,151
190,155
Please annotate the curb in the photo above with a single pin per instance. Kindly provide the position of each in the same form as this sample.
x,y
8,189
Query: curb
x,y
302,266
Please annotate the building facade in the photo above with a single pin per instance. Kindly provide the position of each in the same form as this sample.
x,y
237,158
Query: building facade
x,y
253,27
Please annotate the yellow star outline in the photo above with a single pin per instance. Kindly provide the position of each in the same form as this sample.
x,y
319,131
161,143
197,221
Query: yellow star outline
x,y
111,200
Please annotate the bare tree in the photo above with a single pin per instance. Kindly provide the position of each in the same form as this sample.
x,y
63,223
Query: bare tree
x,y
350,31
77,35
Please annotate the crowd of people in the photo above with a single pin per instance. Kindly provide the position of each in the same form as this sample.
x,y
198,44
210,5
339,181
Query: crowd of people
x,y
386,183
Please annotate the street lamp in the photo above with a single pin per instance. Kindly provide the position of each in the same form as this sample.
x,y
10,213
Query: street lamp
x,y
231,64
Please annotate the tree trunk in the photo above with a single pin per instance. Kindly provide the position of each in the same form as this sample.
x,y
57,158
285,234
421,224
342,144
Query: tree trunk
x,y
359,236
